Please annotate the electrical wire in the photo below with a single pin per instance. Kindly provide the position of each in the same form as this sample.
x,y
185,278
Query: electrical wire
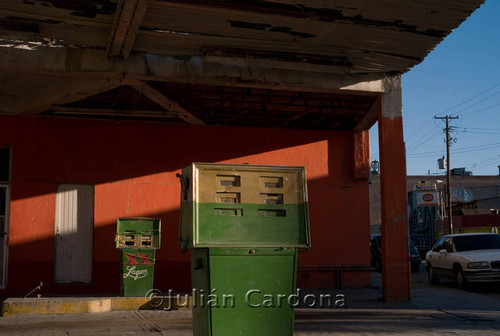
x,y
481,132
418,130
410,146
476,130
482,163
457,151
480,128
485,163
496,163
481,110
432,137
468,107
472,98
463,109
461,104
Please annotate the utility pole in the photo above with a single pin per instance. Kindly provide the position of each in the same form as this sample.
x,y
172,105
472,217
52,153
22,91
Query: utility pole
x,y
448,173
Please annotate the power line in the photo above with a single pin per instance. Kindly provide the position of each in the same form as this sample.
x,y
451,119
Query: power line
x,y
432,137
494,162
456,151
477,148
422,141
465,108
416,132
480,163
468,107
411,145
460,104
481,110
480,132
472,98
480,128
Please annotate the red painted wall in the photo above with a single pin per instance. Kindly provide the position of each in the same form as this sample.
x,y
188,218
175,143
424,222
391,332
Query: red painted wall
x,y
133,166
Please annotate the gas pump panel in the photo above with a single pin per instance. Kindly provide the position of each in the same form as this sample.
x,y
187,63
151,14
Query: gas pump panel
x,y
138,233
225,205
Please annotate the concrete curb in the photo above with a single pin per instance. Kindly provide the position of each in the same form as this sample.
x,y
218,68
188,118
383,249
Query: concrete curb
x,y
78,305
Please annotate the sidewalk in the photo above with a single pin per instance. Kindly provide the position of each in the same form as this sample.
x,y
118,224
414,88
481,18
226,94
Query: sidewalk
x,y
434,310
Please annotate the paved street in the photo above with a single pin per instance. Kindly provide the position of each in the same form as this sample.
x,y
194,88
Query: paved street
x,y
145,322
308,322
434,310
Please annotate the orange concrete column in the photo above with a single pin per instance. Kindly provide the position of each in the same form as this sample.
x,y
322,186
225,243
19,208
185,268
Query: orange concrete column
x,y
361,155
395,272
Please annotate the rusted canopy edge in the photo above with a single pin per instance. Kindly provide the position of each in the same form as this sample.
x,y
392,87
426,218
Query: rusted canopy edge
x,y
93,64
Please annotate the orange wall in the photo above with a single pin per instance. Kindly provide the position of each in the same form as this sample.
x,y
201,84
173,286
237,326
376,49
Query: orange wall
x,y
133,166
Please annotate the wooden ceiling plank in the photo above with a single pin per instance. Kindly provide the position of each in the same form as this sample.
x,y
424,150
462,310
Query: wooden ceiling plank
x,y
128,18
363,61
379,10
40,12
299,31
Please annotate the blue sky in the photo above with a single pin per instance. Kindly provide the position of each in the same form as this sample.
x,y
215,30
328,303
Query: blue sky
x,y
460,77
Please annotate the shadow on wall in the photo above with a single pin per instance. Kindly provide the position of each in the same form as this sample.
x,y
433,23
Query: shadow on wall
x,y
33,262
132,167
94,152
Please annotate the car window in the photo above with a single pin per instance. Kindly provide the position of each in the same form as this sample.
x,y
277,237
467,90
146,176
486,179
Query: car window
x,y
439,245
477,242
447,245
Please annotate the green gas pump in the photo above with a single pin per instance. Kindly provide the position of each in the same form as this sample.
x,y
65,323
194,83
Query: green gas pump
x,y
138,239
243,225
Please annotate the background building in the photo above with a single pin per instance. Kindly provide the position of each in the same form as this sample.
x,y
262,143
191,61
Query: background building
x,y
476,202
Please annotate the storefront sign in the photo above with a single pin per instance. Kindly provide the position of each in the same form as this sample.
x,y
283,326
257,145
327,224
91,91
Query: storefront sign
x,y
427,198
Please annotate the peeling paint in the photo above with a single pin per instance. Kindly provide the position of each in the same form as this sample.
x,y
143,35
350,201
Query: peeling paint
x,y
81,8
289,30
249,25
16,18
319,14
268,27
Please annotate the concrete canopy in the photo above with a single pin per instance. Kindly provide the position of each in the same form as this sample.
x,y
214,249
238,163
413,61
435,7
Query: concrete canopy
x,y
313,64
